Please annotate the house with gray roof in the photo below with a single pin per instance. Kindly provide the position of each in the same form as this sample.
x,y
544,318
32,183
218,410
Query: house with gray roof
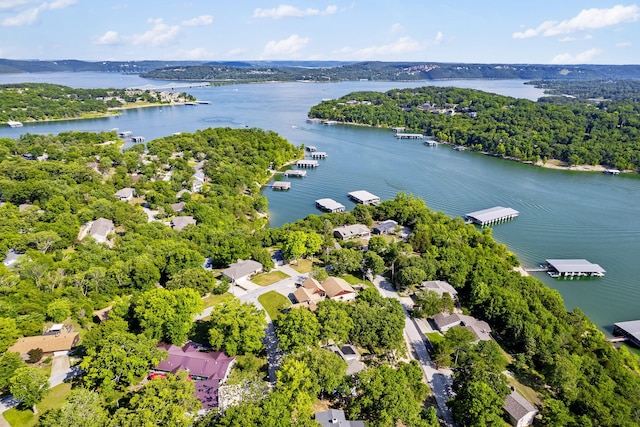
x,y
100,229
125,194
180,222
351,232
349,354
520,411
242,270
336,418
480,328
440,286
385,227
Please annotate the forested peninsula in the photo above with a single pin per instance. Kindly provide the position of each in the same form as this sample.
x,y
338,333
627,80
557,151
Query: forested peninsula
x,y
606,132
29,102
151,276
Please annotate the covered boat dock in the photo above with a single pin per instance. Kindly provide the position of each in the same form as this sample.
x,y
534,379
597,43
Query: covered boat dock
x,y
364,197
295,173
281,186
329,205
491,215
409,135
573,268
307,163
629,330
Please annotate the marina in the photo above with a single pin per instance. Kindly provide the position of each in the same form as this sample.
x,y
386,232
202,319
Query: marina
x,y
329,205
491,216
364,197
573,268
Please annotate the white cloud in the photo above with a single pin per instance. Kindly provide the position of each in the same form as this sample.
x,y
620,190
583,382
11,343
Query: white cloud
x,y
439,38
567,39
623,44
285,47
199,21
581,58
236,51
587,19
288,11
198,53
401,46
110,38
588,37
396,28
30,16
160,34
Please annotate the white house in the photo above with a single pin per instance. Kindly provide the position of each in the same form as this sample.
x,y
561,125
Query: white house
x,y
242,270
125,194
100,229
520,411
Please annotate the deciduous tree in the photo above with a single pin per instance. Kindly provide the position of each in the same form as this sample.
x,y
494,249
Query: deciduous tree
x,y
29,385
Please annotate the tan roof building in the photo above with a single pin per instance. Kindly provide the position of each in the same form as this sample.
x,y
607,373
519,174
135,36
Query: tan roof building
x,y
309,292
338,289
48,343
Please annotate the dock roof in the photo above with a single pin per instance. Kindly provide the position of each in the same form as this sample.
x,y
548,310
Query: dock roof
x,y
364,196
329,204
492,214
631,328
574,266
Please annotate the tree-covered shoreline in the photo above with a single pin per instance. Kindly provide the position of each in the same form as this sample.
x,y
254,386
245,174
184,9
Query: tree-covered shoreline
x,y
36,102
607,133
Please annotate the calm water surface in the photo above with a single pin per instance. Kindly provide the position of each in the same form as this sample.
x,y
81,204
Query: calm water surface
x,y
562,214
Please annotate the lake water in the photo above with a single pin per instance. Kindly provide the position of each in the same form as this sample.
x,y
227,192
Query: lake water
x,y
562,214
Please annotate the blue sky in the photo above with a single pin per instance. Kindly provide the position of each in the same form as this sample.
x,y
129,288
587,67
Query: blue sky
x,y
489,31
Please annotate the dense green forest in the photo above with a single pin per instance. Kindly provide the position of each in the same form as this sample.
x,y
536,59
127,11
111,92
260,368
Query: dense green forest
x,y
607,133
595,91
387,71
152,276
25,102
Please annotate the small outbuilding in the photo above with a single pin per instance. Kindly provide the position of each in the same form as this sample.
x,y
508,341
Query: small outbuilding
x,y
519,410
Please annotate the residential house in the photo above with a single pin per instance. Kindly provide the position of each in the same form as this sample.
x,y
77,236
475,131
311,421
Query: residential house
x,y
178,207
336,418
385,227
309,293
125,194
350,355
100,229
480,329
339,289
520,411
11,258
180,222
242,270
351,232
198,181
441,287
208,369
49,343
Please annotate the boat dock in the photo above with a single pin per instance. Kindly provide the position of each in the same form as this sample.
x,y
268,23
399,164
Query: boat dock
x,y
281,186
125,134
364,197
329,205
628,330
137,139
14,124
295,173
330,122
430,143
409,135
310,148
307,163
398,129
573,268
318,155
611,172
491,215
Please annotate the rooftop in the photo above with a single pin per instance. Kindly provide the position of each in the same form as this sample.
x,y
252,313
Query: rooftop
x,y
574,266
363,196
329,204
48,343
242,268
517,406
492,214
180,222
212,365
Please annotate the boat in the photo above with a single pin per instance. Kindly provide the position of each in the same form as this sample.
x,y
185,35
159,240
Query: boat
x,y
14,124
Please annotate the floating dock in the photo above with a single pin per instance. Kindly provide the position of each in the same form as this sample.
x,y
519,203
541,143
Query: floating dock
x,y
430,143
409,135
318,155
125,134
330,122
491,215
295,173
307,163
459,148
310,148
398,129
14,124
329,205
611,171
629,330
281,186
137,139
364,197
573,268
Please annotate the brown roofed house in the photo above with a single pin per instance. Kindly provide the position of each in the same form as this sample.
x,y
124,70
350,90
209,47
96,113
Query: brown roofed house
x,y
310,293
48,343
338,289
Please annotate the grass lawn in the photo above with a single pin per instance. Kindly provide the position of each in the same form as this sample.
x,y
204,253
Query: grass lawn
x,y
272,302
266,279
25,418
353,280
529,393
435,337
302,265
212,299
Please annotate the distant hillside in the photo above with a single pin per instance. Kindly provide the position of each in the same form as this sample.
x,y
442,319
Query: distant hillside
x,y
391,71
71,65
